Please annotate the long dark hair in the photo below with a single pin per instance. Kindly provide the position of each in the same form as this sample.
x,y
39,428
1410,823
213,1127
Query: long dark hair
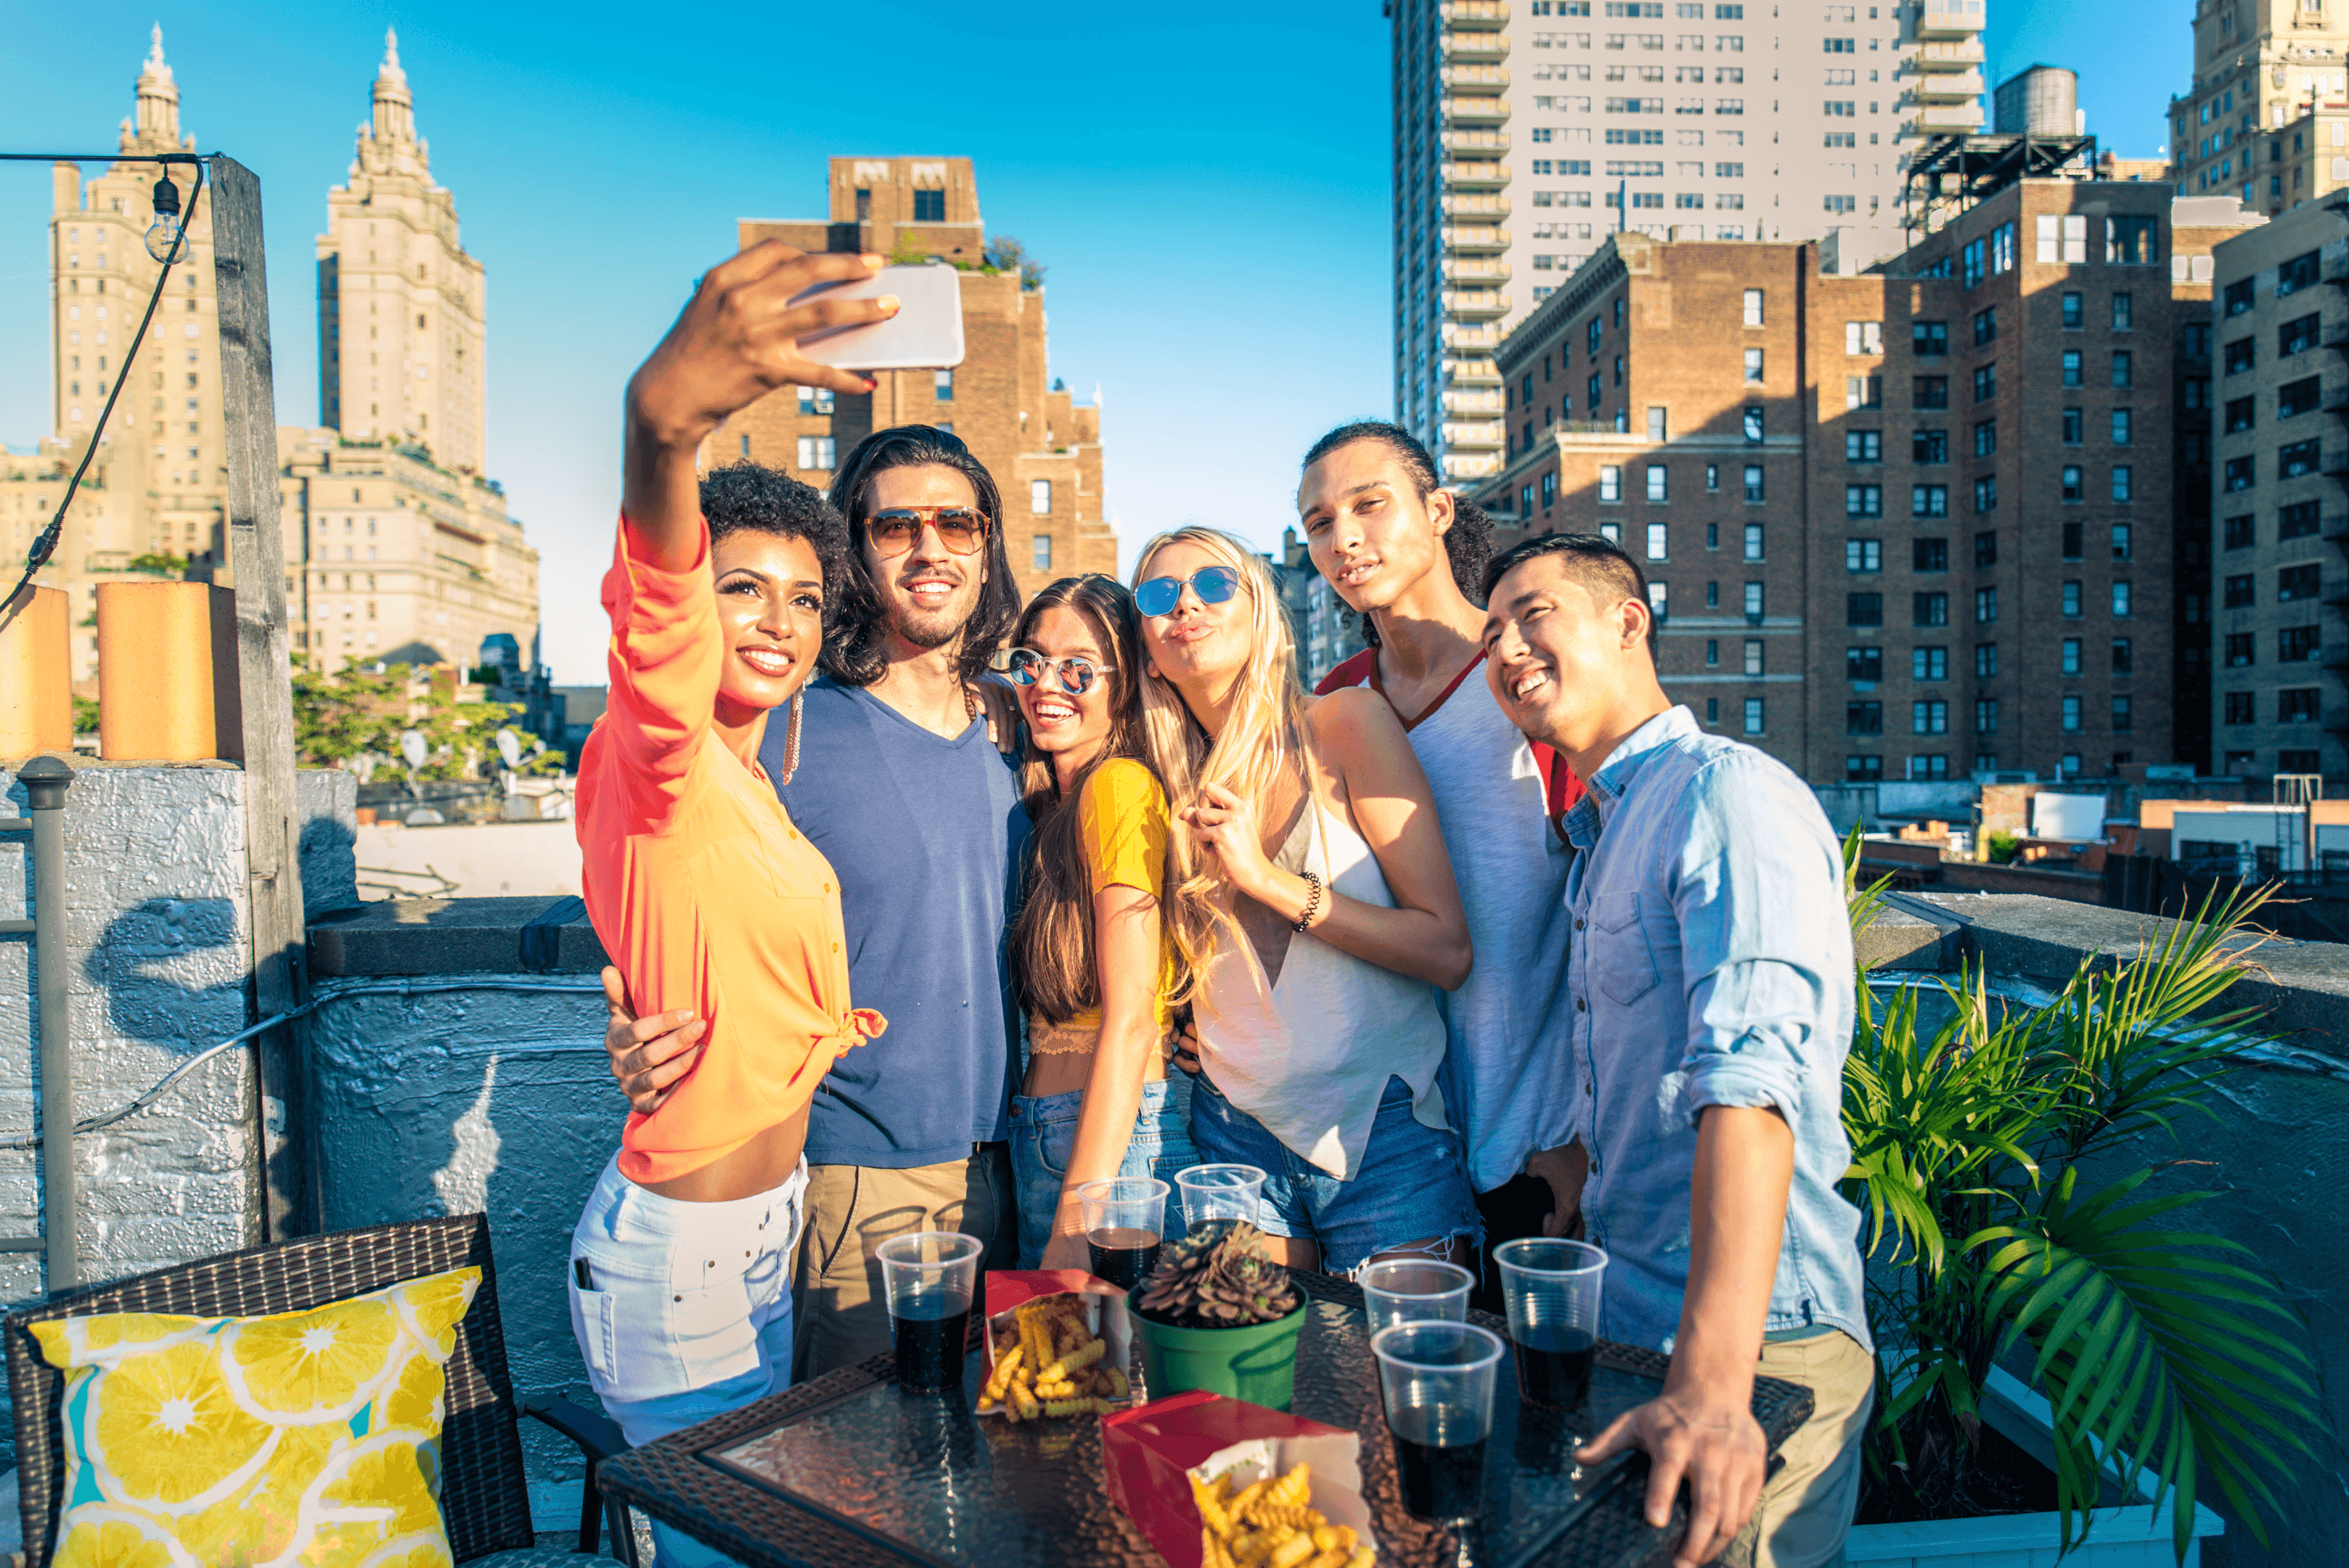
x,y
857,657
1467,545
1052,959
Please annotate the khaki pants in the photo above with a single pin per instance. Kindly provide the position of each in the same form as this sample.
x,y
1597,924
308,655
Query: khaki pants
x,y
1807,1509
842,1315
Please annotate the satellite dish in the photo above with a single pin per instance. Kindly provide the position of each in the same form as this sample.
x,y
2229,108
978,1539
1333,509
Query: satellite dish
x,y
411,746
509,747
537,746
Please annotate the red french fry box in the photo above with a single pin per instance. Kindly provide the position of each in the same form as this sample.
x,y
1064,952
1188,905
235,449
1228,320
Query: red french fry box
x,y
1103,1304
1152,1452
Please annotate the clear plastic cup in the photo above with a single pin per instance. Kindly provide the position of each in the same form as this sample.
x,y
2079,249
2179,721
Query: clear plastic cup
x,y
1436,1381
930,1277
1552,1292
1414,1290
1220,1194
1125,1220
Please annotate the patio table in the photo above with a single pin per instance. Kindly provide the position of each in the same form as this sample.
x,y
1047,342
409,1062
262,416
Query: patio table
x,y
850,1469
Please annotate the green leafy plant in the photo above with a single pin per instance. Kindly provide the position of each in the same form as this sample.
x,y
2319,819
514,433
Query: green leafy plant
x,y
344,717
2166,1351
85,719
160,563
2002,847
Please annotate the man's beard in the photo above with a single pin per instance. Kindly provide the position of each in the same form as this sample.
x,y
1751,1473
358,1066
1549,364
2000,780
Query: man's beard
x,y
931,629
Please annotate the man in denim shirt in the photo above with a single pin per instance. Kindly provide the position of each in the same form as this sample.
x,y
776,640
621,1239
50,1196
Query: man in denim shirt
x,y
1711,978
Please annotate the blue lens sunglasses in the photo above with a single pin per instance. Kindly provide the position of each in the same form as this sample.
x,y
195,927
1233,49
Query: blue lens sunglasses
x,y
1159,595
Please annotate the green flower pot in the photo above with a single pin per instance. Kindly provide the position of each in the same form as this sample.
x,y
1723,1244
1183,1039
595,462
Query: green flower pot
x,y
1257,1362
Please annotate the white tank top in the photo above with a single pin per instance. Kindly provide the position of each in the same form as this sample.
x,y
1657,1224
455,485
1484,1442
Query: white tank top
x,y
1309,1054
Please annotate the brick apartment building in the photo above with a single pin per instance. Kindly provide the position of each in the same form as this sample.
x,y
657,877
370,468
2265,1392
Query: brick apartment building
x,y
2276,616
1043,449
1913,523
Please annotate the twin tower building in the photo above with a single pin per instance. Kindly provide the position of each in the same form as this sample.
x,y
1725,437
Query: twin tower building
x,y
398,545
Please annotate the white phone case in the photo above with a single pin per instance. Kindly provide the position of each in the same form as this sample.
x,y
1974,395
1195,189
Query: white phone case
x,y
925,334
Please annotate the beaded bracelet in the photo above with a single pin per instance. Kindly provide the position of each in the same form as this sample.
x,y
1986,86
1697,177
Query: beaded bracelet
x,y
1312,903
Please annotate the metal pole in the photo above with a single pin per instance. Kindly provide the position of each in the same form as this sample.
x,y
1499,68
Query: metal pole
x,y
264,677
46,779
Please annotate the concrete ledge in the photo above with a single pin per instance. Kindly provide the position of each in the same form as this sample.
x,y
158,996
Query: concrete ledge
x,y
445,936
2303,987
1908,934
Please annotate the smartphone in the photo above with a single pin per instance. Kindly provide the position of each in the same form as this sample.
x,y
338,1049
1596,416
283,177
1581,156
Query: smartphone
x,y
925,335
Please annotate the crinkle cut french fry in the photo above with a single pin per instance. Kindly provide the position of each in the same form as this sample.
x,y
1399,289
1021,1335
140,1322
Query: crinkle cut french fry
x,y
1292,1552
1117,1384
1332,1558
1077,1407
1247,1500
1004,1368
1295,1489
1076,1360
1362,1558
1211,1507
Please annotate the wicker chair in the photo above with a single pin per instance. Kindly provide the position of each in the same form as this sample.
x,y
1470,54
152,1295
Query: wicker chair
x,y
483,1500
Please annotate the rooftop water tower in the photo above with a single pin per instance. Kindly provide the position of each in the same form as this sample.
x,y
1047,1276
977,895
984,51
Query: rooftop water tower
x,y
2038,100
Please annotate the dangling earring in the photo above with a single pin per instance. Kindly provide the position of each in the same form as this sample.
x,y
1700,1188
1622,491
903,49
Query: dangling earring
x,y
790,745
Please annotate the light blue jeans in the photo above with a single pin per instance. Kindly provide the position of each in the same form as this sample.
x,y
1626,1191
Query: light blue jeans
x,y
683,1312
1044,1132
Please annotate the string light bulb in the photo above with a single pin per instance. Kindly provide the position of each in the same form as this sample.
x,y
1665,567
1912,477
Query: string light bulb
x,y
163,233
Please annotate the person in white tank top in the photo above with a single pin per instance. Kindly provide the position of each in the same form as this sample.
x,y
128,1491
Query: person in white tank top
x,y
1316,906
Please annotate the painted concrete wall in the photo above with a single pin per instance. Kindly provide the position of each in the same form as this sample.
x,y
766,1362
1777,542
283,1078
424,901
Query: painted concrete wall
x,y
159,942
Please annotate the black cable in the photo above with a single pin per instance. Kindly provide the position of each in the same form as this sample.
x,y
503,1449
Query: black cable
x,y
44,543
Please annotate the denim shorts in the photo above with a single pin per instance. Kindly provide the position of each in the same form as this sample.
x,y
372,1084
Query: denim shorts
x,y
1044,1133
1412,1187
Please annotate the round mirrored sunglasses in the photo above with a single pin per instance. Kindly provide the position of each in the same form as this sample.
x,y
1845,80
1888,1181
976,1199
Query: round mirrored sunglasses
x,y
1159,595
1076,673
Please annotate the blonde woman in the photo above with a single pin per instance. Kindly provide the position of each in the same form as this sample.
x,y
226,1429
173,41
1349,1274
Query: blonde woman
x,y
1095,974
1316,906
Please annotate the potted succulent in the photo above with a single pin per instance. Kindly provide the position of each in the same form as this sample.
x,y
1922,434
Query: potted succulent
x,y
2161,1365
1217,1316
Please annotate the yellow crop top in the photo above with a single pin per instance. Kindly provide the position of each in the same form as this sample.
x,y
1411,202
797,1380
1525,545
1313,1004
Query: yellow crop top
x,y
1122,822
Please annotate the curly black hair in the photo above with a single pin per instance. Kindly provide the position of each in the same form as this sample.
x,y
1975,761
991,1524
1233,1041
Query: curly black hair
x,y
857,657
745,497
1467,545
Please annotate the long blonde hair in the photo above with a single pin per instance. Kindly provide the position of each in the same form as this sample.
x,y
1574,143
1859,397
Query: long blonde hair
x,y
1263,738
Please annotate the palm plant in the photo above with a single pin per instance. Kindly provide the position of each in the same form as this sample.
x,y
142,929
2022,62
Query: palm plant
x,y
2171,1347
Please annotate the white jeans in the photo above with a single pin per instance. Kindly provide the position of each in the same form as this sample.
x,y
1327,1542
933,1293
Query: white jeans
x,y
682,1311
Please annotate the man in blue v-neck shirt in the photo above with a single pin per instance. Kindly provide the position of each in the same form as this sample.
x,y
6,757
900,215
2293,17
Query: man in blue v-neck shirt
x,y
895,777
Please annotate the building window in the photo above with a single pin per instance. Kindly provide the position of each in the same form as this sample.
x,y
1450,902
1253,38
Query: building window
x,y
2241,709
1656,482
2120,426
942,381
2074,318
2238,297
1863,338
1985,325
2238,473
1929,717
2239,534
2071,601
1863,770
1986,715
816,452
2296,644
930,206
2124,657
1753,366
1930,609
2240,652
2124,542
1754,541
1929,446
1040,496
1863,501
1752,656
1656,420
2296,398
2074,488
1928,393
2069,661
2071,367
2240,591
1040,553
1752,422
1660,604
2121,481
2123,367
1752,309
2129,241
2076,427
1657,542
2293,522
1863,446
1610,483
1929,555
1753,601
2239,356
1863,556
1985,383
1986,493
2122,312
1929,664
1928,339
1863,664
1986,548
1754,481
2120,601
1985,606
2295,704
2299,457
1928,501
1985,438
1754,715
2070,715
2297,335
815,400
1863,610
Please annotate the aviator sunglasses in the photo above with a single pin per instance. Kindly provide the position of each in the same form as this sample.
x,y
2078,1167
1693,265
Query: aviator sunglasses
x,y
895,530
1076,673
1159,595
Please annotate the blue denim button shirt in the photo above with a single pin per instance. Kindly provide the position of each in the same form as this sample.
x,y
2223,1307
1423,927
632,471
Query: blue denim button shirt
x,y
1711,965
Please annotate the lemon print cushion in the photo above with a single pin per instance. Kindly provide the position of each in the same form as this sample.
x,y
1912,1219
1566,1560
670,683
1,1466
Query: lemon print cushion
x,y
309,1439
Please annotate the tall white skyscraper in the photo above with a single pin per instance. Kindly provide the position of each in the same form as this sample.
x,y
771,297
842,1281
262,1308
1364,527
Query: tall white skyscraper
x,y
1521,142
400,330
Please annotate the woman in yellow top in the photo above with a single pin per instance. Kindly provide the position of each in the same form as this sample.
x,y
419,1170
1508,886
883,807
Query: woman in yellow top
x,y
1097,976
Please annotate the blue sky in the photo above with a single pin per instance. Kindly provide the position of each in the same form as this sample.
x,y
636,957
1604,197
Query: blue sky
x,y
1209,186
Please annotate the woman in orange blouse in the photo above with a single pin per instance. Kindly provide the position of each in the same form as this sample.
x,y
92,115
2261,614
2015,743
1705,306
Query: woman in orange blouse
x,y
700,889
